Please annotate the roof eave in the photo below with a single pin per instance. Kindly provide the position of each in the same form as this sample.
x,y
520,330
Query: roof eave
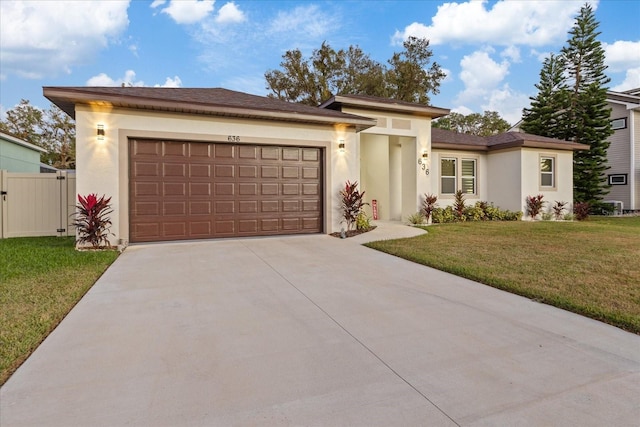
x,y
565,146
67,99
458,147
425,111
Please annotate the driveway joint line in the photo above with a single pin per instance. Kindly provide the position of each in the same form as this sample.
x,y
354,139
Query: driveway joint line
x,y
354,337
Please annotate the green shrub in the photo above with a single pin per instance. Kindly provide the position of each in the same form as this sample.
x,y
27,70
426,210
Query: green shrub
x,y
363,222
416,218
547,216
481,211
568,217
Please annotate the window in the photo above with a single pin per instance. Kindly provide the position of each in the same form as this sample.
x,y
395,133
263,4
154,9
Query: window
x,y
458,174
618,179
448,176
619,123
468,176
547,171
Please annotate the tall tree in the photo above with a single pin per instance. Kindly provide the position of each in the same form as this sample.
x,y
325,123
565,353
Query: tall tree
x,y
489,123
546,117
572,105
588,114
329,72
50,129
411,78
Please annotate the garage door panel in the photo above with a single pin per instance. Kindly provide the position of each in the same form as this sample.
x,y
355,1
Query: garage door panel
x,y
269,171
141,189
200,207
200,189
175,149
269,153
199,170
225,171
175,229
190,190
174,189
223,151
224,189
174,208
248,152
200,150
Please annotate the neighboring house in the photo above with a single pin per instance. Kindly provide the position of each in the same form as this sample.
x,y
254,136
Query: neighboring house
x,y
183,163
623,156
17,155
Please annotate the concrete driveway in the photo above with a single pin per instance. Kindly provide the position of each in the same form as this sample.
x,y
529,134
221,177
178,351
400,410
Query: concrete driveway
x,y
315,330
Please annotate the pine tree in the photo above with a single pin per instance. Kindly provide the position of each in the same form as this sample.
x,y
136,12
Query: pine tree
x,y
571,104
546,117
588,115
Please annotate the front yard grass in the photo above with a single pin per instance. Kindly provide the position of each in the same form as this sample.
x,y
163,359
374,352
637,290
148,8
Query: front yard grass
x,y
41,279
590,267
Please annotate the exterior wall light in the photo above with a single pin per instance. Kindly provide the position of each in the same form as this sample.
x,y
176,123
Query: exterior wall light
x,y
341,145
100,132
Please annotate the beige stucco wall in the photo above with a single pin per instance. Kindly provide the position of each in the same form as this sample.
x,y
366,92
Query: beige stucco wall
x,y
103,168
563,190
504,178
402,181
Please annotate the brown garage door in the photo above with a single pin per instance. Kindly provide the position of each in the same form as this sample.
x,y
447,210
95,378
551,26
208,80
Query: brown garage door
x,y
194,190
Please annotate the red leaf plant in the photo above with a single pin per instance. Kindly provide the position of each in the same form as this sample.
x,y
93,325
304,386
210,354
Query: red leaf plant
x,y
92,220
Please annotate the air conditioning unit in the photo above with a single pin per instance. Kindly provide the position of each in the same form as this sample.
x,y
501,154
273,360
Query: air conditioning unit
x,y
618,206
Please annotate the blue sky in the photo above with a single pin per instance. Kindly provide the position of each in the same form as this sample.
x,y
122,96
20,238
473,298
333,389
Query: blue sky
x,y
491,50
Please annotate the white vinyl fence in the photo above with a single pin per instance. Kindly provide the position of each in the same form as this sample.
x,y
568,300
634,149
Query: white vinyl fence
x,y
36,204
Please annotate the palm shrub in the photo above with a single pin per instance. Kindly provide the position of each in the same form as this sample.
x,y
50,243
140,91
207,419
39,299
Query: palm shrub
x,y
428,205
534,205
92,220
558,210
351,203
459,206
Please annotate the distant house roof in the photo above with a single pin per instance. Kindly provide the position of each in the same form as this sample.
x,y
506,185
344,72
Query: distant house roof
x,y
18,141
205,101
383,104
629,97
450,140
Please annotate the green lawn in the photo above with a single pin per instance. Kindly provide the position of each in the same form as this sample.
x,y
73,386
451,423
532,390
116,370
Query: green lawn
x,y
590,267
41,279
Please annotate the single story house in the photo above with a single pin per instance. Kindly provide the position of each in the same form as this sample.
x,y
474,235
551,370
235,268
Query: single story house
x,y
17,155
188,163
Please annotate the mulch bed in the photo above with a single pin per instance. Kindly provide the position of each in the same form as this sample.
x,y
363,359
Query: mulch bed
x,y
351,233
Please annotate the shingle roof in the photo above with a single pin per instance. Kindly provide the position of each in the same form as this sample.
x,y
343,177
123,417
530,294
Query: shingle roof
x,y
209,101
446,139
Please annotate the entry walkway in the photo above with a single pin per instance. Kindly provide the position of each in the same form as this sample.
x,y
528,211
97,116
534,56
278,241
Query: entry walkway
x,y
314,330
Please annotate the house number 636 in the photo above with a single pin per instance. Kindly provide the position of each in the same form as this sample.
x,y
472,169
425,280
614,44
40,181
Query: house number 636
x,y
233,138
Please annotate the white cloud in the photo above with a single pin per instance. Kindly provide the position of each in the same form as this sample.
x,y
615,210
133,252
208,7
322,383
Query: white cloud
x,y
171,82
462,109
308,20
230,14
512,53
43,37
631,80
157,3
448,75
129,79
533,23
187,11
507,102
622,55
480,75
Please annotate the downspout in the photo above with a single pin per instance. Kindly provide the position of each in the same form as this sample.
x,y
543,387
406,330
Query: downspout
x,y
632,171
